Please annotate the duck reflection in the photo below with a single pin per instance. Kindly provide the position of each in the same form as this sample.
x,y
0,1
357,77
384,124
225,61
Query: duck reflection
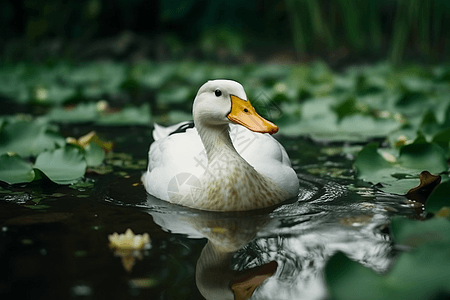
x,y
281,254
226,235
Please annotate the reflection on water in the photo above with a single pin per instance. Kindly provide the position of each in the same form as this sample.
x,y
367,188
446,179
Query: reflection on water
x,y
280,253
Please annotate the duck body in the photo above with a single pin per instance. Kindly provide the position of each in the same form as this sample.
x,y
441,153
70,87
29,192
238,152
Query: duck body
x,y
219,165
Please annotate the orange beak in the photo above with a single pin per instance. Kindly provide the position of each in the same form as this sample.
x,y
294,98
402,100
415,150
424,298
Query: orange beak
x,y
243,113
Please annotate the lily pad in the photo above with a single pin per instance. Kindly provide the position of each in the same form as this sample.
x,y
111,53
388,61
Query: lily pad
x,y
421,155
78,114
94,154
350,280
179,94
63,166
439,198
443,139
127,116
28,138
154,76
401,176
368,126
13,169
371,166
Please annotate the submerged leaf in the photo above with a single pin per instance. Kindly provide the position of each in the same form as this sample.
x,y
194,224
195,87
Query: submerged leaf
x,y
414,233
39,218
350,280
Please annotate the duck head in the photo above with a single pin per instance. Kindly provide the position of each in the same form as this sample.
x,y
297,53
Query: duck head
x,y
219,102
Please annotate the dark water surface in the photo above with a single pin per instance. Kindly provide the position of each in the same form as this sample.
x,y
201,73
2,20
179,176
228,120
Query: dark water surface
x,y
54,239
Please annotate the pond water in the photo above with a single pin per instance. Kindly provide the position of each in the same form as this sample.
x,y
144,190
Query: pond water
x,y
54,239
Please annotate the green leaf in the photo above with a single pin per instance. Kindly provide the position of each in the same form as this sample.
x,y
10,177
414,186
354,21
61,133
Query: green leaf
x,y
13,169
421,155
401,186
28,138
179,94
350,280
439,198
81,113
416,275
371,166
127,116
63,166
94,155
368,126
154,77
346,107
400,177
421,273
443,139
57,94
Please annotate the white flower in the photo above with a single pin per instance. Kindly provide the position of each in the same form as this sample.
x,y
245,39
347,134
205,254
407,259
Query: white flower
x,y
129,240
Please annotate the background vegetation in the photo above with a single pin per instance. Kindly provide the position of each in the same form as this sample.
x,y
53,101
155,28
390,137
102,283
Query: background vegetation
x,y
335,30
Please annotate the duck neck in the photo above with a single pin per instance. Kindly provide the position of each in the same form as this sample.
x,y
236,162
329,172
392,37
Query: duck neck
x,y
217,142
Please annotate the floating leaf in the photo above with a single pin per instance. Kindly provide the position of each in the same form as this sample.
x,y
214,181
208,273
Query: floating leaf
x,y
367,126
179,94
28,138
439,198
13,169
402,176
421,155
155,77
94,155
443,139
81,113
346,107
63,166
350,280
371,166
127,116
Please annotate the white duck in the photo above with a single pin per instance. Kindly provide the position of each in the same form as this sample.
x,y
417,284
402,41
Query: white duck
x,y
205,168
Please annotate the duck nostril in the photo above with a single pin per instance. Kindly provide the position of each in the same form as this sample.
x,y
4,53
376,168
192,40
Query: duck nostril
x,y
245,110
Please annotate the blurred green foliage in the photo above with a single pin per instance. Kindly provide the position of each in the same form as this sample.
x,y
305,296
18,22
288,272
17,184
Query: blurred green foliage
x,y
406,107
332,29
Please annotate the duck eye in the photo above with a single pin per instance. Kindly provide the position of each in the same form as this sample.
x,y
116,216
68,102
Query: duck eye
x,y
218,93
